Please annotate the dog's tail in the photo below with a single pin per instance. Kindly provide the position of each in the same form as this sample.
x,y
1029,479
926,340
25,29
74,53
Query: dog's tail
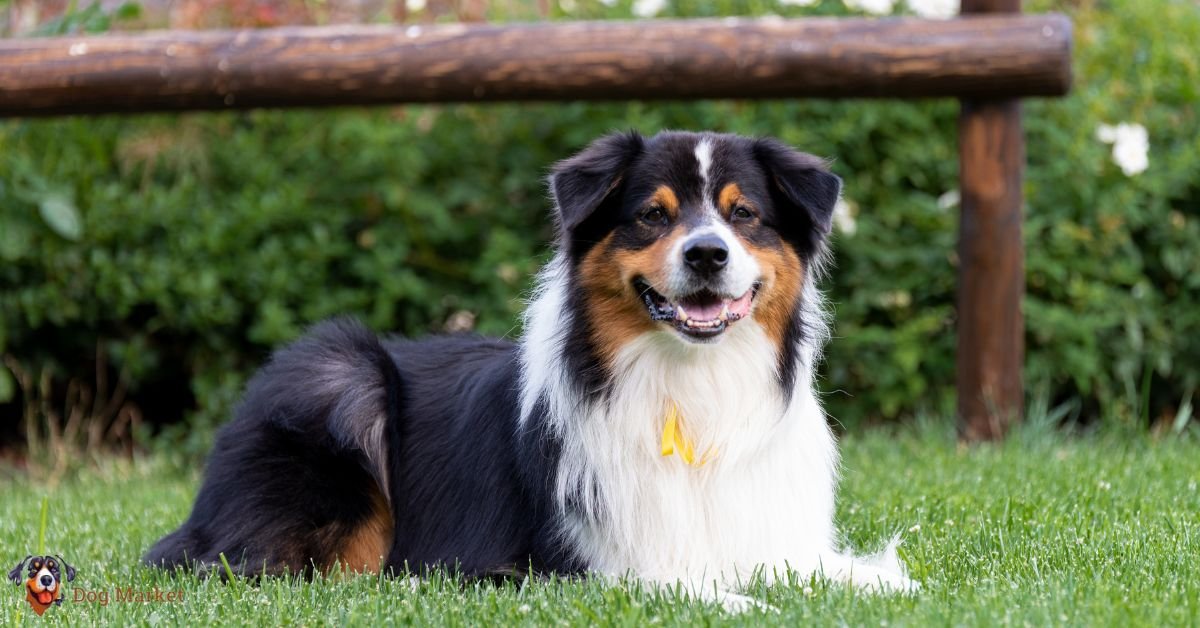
x,y
340,391
339,382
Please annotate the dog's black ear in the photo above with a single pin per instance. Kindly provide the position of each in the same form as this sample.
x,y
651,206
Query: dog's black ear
x,y
15,574
581,183
69,569
802,185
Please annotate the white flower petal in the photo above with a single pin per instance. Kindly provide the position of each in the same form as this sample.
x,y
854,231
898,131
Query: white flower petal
x,y
874,7
948,200
648,8
1106,133
1131,146
934,9
843,217
798,3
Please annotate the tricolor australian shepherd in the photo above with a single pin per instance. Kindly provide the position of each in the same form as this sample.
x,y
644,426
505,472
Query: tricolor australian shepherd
x,y
657,419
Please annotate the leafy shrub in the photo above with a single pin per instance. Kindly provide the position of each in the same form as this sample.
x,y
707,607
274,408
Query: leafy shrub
x,y
185,247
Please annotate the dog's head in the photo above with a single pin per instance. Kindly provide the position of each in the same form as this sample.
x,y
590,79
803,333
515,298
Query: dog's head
x,y
43,575
691,234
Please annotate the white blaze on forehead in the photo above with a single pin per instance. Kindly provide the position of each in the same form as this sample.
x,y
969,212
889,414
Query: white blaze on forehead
x,y
704,156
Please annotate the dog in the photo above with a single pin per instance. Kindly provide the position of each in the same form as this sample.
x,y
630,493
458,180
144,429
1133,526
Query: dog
x,y
43,580
658,418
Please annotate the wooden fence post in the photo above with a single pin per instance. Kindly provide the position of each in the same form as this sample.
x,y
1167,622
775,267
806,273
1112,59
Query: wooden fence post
x,y
991,275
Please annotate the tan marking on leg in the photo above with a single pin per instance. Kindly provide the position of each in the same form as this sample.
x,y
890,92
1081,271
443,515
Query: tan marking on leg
x,y
366,546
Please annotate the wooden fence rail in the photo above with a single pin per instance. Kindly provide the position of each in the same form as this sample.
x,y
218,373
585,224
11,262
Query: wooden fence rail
x,y
983,57
988,60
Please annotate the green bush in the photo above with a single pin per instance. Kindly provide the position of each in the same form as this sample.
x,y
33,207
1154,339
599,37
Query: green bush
x,y
185,247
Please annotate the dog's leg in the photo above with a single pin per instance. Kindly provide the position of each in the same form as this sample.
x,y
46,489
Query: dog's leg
x,y
881,573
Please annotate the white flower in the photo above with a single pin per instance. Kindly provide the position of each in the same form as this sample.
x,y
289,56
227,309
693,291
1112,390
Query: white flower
x,y
874,7
414,6
843,217
1104,486
949,199
896,298
648,8
915,528
934,9
1131,146
798,3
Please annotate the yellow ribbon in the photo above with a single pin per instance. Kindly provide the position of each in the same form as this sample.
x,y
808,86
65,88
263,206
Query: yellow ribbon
x,y
674,440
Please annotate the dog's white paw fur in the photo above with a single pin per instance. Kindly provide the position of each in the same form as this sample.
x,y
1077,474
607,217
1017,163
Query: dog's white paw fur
x,y
877,580
881,573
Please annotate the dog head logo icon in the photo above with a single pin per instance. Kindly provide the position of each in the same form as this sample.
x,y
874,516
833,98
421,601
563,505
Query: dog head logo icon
x,y
44,578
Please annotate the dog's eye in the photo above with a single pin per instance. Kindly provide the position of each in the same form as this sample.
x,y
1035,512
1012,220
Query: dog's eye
x,y
741,213
655,216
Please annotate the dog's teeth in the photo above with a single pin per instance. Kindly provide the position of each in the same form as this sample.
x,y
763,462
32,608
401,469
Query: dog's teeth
x,y
680,313
724,312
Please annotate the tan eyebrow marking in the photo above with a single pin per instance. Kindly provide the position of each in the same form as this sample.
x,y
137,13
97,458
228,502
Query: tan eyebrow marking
x,y
665,198
729,196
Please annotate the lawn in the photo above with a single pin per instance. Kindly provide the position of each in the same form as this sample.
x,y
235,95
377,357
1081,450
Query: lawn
x,y
1047,529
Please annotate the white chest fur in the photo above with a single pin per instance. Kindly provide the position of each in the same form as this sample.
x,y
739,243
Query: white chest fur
x,y
763,498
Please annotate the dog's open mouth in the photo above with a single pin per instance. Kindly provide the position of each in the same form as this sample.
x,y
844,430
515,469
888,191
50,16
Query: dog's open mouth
x,y
703,314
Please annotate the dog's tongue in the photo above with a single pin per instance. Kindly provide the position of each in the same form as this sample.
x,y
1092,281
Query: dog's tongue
x,y
703,307
45,597
708,307
740,307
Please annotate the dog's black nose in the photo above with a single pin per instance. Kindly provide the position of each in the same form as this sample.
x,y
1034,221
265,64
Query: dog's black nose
x,y
47,580
706,254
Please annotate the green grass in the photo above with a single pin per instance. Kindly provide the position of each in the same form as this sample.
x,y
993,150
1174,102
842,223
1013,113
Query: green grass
x,y
1044,530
